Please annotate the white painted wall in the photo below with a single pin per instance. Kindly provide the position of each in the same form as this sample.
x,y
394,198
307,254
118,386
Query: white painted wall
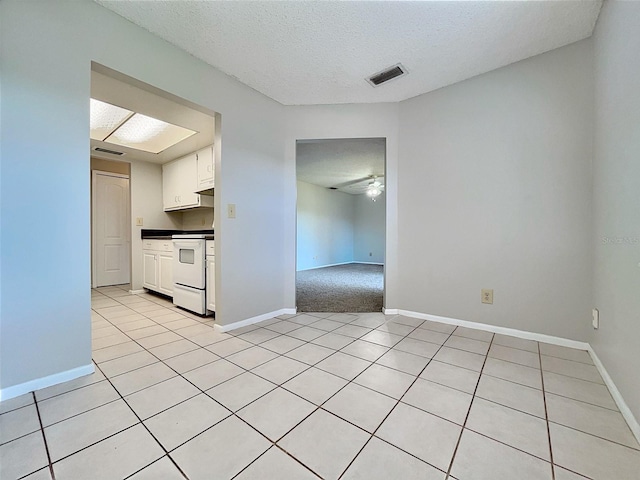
x,y
146,202
494,191
616,183
45,182
47,49
368,224
325,226
341,121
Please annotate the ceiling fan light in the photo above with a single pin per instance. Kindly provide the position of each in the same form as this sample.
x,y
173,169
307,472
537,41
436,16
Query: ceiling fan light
x,y
374,191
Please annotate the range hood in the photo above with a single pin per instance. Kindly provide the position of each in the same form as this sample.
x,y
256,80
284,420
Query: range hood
x,y
206,191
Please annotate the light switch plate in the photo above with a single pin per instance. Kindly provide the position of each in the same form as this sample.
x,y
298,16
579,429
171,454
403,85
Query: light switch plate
x,y
231,210
139,222
596,318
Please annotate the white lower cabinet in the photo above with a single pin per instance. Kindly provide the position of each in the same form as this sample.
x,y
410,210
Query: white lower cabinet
x,y
211,283
165,269
158,266
150,260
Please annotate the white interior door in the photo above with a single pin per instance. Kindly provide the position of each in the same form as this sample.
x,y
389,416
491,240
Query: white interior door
x,y
110,229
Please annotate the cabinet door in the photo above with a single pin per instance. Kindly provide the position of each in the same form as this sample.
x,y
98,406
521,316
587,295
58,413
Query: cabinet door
x,y
170,185
179,183
150,277
205,168
211,284
187,180
165,269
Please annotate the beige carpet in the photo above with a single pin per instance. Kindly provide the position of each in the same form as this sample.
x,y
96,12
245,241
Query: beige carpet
x,y
354,287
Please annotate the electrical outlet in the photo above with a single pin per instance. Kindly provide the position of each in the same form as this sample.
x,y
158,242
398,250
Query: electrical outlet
x,y
231,210
139,222
487,296
596,318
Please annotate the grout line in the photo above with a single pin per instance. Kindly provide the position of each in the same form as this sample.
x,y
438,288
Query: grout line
x,y
455,451
397,403
575,378
84,411
145,427
546,417
44,437
635,449
153,463
583,401
274,445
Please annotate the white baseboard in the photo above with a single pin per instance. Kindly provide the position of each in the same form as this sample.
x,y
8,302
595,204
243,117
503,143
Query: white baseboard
x,y
539,337
252,320
337,264
44,382
617,396
137,292
390,311
325,266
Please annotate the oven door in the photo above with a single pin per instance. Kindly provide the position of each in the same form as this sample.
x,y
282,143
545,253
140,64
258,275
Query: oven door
x,y
188,263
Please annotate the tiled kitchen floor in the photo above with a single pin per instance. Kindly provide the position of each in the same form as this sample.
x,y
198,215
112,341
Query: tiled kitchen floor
x,y
315,395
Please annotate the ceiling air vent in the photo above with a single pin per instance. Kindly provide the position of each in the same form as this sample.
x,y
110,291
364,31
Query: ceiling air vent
x,y
104,150
386,75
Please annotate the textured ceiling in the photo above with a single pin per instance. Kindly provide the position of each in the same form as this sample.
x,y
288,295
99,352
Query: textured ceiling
x,y
319,52
347,164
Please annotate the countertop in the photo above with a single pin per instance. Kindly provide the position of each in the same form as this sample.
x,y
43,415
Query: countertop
x,y
158,234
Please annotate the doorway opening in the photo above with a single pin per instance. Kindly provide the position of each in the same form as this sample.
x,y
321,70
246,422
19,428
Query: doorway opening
x,y
340,225
153,162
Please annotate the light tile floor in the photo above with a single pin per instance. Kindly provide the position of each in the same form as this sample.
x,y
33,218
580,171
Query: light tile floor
x,y
353,396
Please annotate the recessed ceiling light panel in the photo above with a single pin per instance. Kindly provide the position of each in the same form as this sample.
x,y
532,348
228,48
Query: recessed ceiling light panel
x,y
123,127
105,118
148,134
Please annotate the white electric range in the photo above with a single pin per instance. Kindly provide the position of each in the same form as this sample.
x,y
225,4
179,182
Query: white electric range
x,y
189,272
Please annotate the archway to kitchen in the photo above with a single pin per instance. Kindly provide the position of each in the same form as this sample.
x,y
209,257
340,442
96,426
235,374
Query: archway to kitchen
x,y
340,224
169,148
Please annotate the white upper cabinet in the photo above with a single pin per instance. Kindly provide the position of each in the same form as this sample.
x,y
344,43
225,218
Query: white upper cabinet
x,y
179,184
206,168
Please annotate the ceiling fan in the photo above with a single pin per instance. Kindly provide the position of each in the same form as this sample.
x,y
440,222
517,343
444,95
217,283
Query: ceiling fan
x,y
373,189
